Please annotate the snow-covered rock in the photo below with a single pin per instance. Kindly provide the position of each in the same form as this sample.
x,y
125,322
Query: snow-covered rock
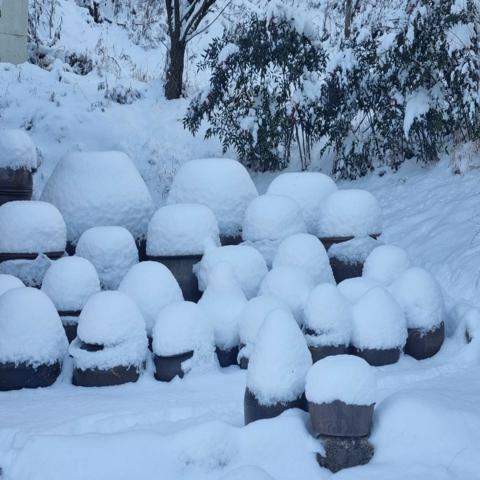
x,y
221,184
9,282
385,264
223,302
112,251
378,321
291,285
356,250
346,213
307,252
280,361
182,229
247,263
70,282
152,286
30,328
308,189
99,188
328,314
420,297
346,378
354,288
31,227
17,150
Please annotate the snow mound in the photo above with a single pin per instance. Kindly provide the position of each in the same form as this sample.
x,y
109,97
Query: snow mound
x,y
17,150
183,327
290,284
356,250
30,272
385,264
152,286
223,302
280,361
30,328
346,213
248,472
182,229
346,378
247,264
420,296
31,227
70,282
308,189
307,252
99,188
221,184
354,288
378,321
9,282
329,315
112,251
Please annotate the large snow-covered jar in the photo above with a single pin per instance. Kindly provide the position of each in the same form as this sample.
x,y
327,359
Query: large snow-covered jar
x,y
385,264
178,235
32,340
221,184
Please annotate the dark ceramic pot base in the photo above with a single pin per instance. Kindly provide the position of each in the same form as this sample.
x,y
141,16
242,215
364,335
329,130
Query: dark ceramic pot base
x,y
327,351
15,185
226,240
227,358
167,368
95,377
343,270
421,345
378,358
329,241
15,377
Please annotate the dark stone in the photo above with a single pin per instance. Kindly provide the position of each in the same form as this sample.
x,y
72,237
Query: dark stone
x,y
423,344
342,270
226,358
16,376
254,410
324,351
377,357
94,377
339,419
167,368
344,452
226,240
15,185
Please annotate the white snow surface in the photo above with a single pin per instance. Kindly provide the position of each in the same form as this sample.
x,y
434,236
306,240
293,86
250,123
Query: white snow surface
x,y
308,189
280,360
307,252
346,378
247,472
221,184
152,286
385,264
111,250
9,282
356,250
247,264
350,212
182,229
354,288
70,282
94,189
17,150
30,329
31,227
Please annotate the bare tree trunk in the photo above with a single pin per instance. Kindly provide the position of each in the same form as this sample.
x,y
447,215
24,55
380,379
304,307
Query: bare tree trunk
x,y
348,17
174,80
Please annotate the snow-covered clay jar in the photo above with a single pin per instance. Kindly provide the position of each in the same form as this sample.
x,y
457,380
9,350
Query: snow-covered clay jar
x,y
385,264
221,184
420,296
341,393
346,214
308,189
277,368
32,340
268,220
70,282
223,302
182,341
111,343
9,282
152,286
32,234
247,264
177,237
111,250
18,160
94,189
328,322
347,258
379,327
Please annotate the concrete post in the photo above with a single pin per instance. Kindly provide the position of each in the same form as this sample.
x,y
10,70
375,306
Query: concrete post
x,y
13,31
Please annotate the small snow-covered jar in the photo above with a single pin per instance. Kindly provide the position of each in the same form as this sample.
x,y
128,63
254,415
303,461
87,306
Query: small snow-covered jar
x,y
18,160
32,340
277,369
70,282
111,343
182,341
177,237
111,250
9,282
33,233
346,214
221,184
385,264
